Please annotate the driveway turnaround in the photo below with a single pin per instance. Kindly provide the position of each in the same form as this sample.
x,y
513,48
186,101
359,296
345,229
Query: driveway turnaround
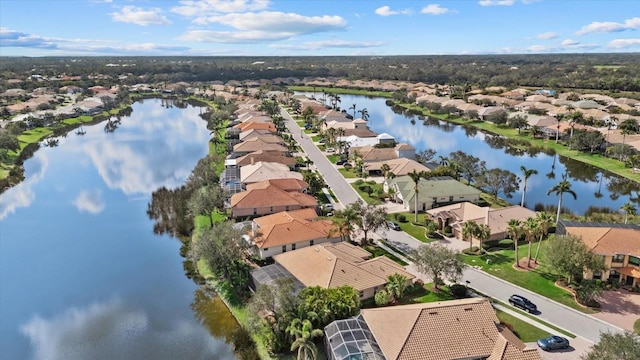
x,y
552,312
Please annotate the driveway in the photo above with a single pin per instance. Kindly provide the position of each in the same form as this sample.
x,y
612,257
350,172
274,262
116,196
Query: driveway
x,y
620,307
578,347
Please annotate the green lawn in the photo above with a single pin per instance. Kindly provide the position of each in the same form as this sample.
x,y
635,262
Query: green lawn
x,y
347,174
368,199
333,158
316,138
636,326
541,280
417,232
525,331
377,251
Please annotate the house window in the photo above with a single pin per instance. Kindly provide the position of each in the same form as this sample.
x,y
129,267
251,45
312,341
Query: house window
x,y
284,248
265,249
286,208
271,209
597,275
450,198
293,246
618,258
614,275
255,211
361,293
311,243
634,260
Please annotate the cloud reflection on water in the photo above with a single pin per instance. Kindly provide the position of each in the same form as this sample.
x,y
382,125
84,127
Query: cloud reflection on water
x,y
22,195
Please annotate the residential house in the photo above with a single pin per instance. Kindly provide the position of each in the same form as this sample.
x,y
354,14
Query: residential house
x,y
619,244
261,171
339,264
432,192
445,330
253,132
256,144
399,166
284,184
357,141
497,219
289,230
264,156
372,153
268,200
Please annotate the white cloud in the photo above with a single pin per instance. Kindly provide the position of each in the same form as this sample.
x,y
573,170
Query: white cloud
x,y
317,45
386,11
547,35
139,16
496,2
22,195
434,9
568,42
89,201
228,37
112,330
623,43
203,8
609,26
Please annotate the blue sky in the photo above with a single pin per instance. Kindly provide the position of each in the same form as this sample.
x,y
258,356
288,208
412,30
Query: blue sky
x,y
316,27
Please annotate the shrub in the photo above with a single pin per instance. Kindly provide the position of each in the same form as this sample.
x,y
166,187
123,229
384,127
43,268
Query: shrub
x,y
359,182
382,298
366,188
401,218
473,251
506,243
447,230
348,166
458,290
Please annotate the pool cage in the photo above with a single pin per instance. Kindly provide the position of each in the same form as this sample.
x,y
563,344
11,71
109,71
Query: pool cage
x,y
351,339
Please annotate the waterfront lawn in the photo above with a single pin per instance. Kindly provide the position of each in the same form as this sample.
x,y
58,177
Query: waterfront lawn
x,y
540,280
493,202
32,136
523,330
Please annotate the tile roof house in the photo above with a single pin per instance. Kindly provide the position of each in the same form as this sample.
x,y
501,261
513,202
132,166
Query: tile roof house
x,y
289,230
284,184
265,156
372,153
619,244
340,264
431,192
497,219
268,200
261,171
399,166
256,144
446,330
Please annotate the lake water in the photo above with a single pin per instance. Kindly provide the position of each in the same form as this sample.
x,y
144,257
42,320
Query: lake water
x,y
82,275
592,186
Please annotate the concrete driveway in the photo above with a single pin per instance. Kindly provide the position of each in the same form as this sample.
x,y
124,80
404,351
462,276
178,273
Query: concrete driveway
x,y
578,347
620,308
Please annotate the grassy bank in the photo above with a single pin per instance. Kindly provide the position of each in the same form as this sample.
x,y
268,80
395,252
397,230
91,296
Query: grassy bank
x,y
337,90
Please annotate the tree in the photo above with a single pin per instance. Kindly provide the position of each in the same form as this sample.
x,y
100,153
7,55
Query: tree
x,y
343,223
470,166
415,177
9,141
424,156
364,114
514,230
563,187
531,229
385,169
628,127
304,333
205,200
545,221
616,346
499,117
629,209
438,262
369,217
588,291
496,180
527,173
469,229
381,298
483,233
353,107
471,114
396,286
518,122
570,257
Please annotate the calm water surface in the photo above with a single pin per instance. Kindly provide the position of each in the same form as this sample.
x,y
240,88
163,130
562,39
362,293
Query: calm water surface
x,y
593,187
82,275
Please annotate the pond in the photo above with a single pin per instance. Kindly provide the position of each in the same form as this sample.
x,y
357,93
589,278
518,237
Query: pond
x,y
82,275
593,186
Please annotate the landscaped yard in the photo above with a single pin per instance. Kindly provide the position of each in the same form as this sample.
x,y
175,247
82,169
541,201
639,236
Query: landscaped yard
x,y
418,232
525,331
347,174
367,198
540,280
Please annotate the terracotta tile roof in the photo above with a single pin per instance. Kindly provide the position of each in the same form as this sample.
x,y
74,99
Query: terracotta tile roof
x,y
267,138
337,265
456,329
251,146
399,166
267,156
290,227
271,196
256,125
609,240
263,170
372,153
284,184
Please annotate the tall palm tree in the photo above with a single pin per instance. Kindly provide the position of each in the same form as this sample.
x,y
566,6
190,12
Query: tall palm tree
x,y
364,114
545,221
527,173
444,161
343,223
483,233
304,334
629,209
416,176
469,229
514,230
385,168
531,229
560,189
353,107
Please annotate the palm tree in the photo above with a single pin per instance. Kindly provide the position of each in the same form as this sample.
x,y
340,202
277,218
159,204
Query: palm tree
x,y
364,114
353,107
343,223
629,209
527,174
304,333
416,176
385,168
514,230
545,221
396,285
483,233
444,161
531,230
469,229
560,189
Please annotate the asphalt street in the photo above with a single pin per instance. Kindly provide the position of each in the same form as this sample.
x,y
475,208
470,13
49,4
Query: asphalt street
x,y
552,312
